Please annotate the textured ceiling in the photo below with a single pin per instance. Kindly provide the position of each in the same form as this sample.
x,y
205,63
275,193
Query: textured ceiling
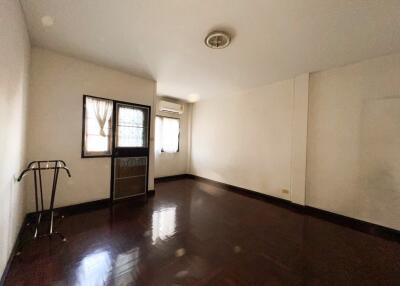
x,y
164,40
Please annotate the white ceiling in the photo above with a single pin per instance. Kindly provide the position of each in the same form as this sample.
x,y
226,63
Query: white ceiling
x,y
164,39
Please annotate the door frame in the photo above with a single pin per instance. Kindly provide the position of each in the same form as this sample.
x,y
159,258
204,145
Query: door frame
x,y
113,156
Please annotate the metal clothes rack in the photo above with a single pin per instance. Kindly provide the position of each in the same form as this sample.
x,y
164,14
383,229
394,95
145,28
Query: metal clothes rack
x,y
37,167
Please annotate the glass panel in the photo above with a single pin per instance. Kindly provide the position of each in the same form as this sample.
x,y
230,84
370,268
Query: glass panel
x,y
132,126
170,135
158,134
98,126
97,143
167,134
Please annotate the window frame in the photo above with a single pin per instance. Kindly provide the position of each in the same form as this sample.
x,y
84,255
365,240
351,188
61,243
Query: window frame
x,y
110,143
179,133
116,126
113,127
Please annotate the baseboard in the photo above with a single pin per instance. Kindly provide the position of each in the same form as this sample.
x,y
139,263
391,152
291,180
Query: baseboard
x,y
88,206
171,178
84,207
78,208
13,252
249,193
356,224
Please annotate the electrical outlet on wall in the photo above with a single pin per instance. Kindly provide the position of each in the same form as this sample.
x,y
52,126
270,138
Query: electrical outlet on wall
x,y
284,191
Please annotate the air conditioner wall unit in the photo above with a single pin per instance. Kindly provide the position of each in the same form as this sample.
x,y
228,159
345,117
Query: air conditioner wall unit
x,y
166,106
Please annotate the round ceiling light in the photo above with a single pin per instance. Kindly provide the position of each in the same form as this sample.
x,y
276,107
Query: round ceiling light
x,y
218,40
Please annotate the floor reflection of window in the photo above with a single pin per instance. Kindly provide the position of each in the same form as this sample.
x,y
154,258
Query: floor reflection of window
x,y
126,267
94,269
164,224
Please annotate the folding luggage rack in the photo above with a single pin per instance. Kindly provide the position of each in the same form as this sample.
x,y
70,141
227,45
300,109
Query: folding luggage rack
x,y
37,167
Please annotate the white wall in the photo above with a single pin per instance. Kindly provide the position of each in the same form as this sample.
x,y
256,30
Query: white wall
x,y
246,140
169,164
14,69
55,120
353,162
341,125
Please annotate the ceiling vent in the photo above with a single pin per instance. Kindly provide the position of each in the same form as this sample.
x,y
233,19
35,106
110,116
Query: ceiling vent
x,y
218,40
166,106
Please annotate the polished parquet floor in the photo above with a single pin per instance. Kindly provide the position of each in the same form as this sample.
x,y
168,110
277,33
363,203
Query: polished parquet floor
x,y
193,233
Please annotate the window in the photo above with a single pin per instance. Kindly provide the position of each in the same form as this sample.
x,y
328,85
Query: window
x,y
105,120
131,126
167,134
97,128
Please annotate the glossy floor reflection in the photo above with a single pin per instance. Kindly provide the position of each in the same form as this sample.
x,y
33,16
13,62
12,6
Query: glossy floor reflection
x,y
192,233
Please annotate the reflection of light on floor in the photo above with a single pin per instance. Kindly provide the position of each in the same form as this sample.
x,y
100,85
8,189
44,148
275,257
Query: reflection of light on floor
x,y
180,252
94,269
237,249
181,274
211,190
126,267
163,224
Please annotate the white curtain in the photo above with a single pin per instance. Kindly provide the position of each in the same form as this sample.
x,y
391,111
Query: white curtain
x,y
167,135
102,110
158,135
98,113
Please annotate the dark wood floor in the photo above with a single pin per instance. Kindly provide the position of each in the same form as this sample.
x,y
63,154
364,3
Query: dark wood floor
x,y
192,233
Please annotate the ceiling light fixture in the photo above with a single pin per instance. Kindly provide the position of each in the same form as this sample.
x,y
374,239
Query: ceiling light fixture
x,y
217,40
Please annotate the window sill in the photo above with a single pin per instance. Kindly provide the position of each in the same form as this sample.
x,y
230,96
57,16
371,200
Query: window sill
x,y
94,156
